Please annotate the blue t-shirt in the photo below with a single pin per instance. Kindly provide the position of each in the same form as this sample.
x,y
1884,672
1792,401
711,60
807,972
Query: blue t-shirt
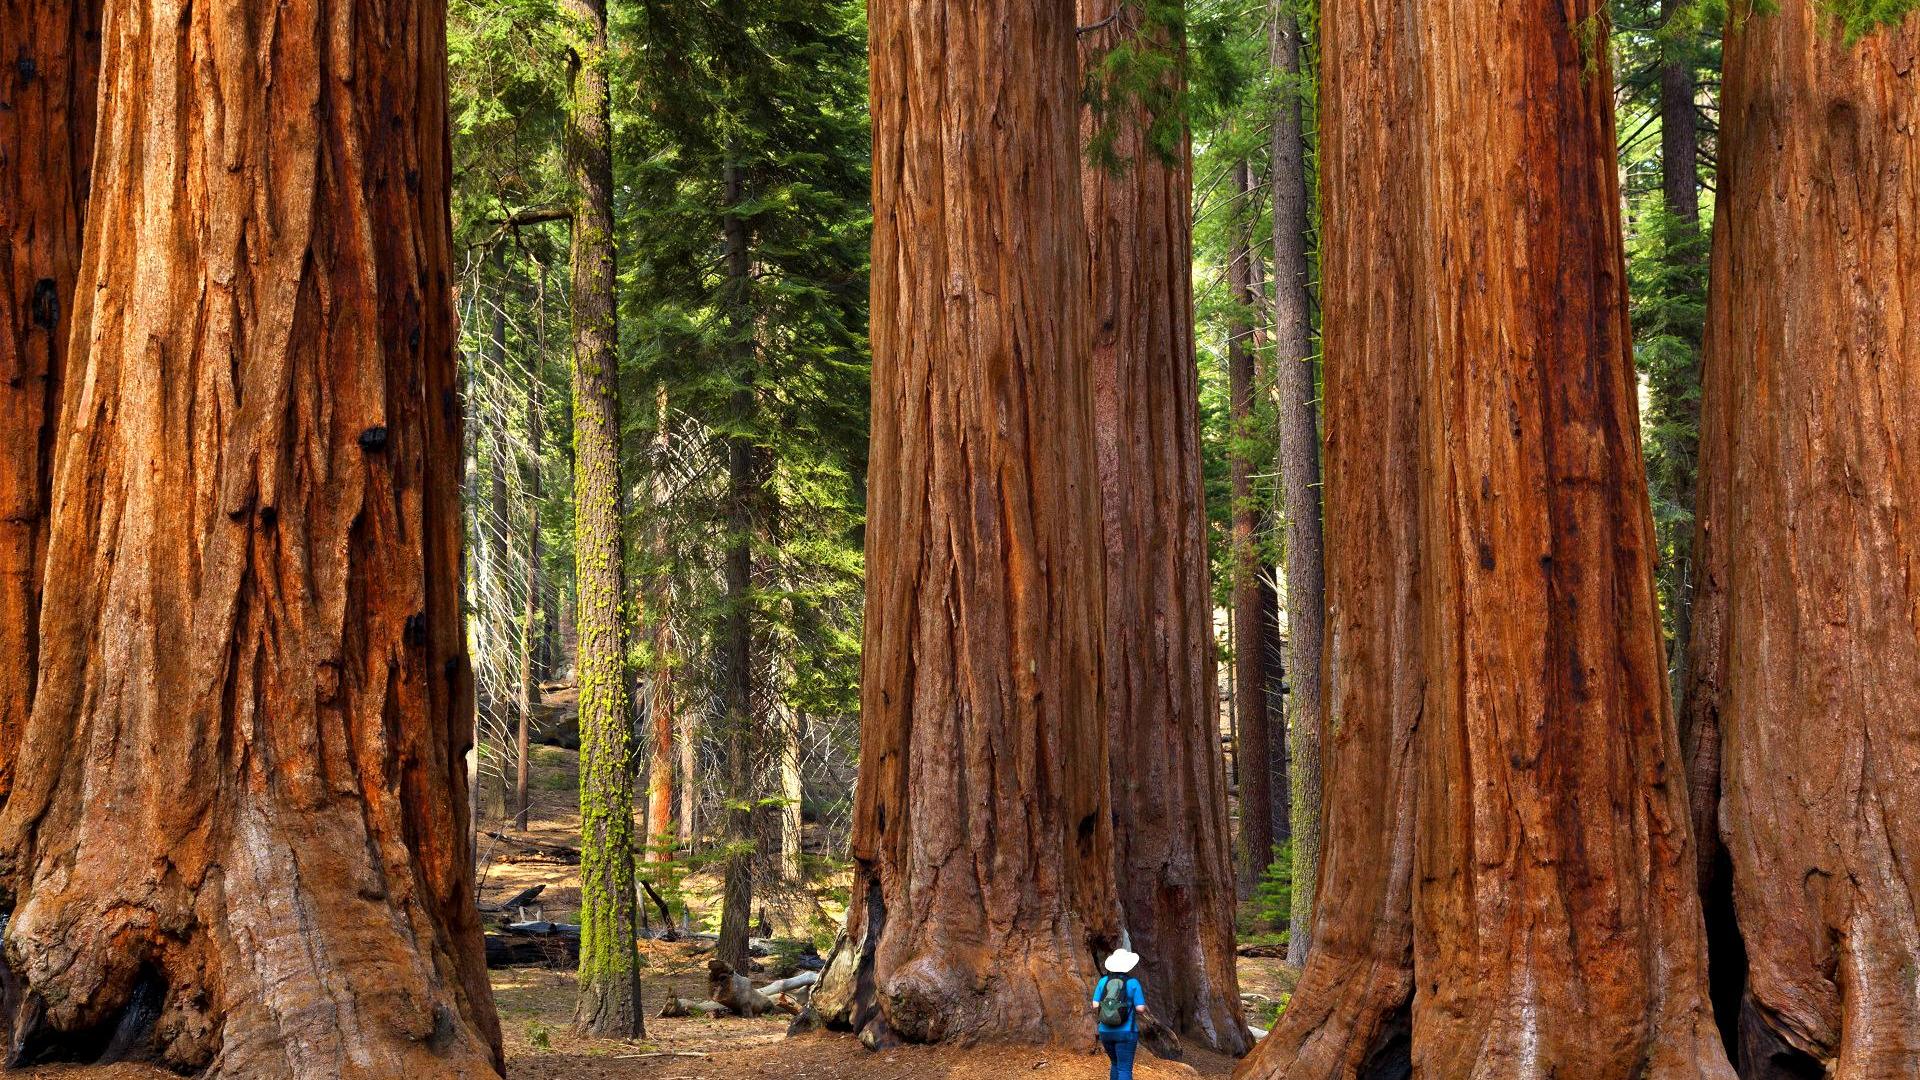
x,y
1134,992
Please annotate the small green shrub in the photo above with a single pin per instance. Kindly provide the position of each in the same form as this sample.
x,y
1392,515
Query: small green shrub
x,y
1273,897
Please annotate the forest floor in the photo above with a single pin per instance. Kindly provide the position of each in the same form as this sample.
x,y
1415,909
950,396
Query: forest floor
x,y
536,1002
536,1007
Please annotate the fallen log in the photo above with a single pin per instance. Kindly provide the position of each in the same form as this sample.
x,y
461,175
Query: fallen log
x,y
513,903
546,929
529,950
737,993
536,850
679,1006
787,986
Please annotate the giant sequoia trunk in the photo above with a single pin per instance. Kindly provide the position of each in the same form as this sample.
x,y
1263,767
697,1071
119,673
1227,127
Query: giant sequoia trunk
x,y
1349,1013
983,886
1173,848
51,51
236,836
1299,462
1555,926
609,1001
1808,649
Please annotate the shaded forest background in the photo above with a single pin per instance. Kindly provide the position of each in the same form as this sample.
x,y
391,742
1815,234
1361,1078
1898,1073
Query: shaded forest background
x,y
744,418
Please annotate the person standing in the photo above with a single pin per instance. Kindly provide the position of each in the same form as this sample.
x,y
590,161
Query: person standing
x,y
1119,1002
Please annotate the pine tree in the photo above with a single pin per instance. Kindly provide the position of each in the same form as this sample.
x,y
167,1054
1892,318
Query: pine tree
x,y
609,1002
748,302
1298,397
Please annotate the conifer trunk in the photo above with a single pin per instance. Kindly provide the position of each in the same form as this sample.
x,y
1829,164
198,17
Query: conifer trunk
x,y
1535,829
792,791
1350,1013
49,60
660,834
983,885
1273,659
1294,386
687,742
745,471
1808,646
1679,127
1557,924
1254,748
609,990
1173,844
531,482
499,527
235,842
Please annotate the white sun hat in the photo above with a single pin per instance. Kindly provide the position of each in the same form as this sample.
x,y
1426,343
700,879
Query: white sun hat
x,y
1122,962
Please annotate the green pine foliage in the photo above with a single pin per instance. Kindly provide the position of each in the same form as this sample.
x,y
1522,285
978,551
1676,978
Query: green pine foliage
x,y
1232,95
774,90
1667,274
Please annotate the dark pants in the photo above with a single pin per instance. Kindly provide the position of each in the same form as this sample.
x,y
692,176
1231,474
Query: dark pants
x,y
1120,1046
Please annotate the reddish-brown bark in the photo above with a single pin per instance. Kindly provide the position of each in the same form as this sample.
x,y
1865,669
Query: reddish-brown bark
x,y
51,51
982,840
1173,851
1808,644
1349,1013
661,726
1557,927
661,721
236,839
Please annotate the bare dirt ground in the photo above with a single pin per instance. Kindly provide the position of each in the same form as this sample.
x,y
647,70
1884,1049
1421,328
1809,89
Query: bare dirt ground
x,y
536,1011
536,1003
839,1057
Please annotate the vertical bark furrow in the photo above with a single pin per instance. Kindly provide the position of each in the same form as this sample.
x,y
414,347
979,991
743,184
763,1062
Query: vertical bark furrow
x,y
981,834
1358,980
240,789
1808,646
47,83
1173,844
1557,926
